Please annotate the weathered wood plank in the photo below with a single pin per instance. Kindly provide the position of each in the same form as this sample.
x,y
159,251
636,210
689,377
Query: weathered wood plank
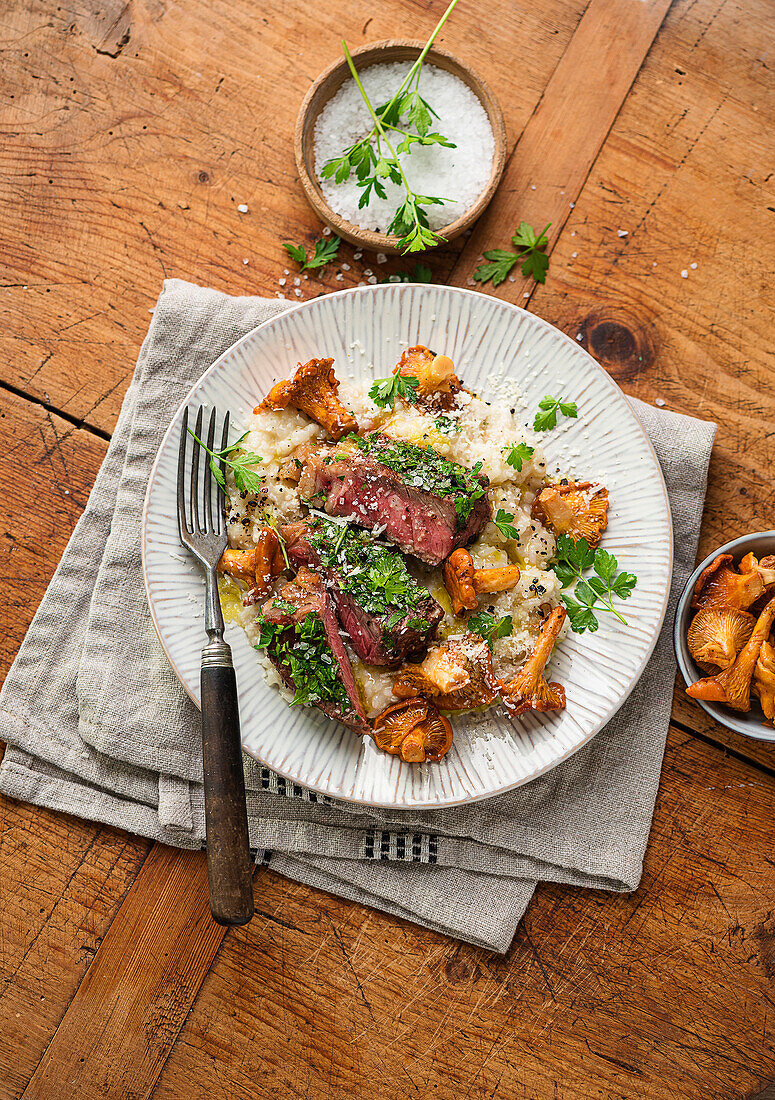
x,y
62,881
667,992
116,1035
120,171
560,143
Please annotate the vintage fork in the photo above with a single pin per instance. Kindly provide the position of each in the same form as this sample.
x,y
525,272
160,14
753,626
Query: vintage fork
x,y
203,532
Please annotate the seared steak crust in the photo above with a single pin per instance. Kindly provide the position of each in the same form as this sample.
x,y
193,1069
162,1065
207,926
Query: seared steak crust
x,y
426,514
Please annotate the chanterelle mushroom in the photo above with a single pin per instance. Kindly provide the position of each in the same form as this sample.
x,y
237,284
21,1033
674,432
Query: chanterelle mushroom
x,y
764,679
529,690
575,508
313,389
733,685
458,675
257,567
765,569
716,636
443,670
720,586
414,730
464,583
434,373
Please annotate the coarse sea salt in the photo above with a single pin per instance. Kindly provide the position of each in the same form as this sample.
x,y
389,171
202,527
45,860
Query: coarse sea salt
x,y
458,175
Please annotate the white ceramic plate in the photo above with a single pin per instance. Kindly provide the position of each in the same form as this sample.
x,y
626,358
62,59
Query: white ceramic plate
x,y
492,344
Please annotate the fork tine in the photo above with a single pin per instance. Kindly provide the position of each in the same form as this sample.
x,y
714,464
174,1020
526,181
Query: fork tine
x,y
195,474
208,478
221,494
182,522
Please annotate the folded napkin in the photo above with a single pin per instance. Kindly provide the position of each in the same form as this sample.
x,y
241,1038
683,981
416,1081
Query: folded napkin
x,y
98,726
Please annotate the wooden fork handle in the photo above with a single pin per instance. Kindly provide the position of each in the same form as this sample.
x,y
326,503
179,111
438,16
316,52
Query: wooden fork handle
x,y
229,867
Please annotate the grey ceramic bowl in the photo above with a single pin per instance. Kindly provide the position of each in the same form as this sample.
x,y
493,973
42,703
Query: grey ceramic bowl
x,y
752,724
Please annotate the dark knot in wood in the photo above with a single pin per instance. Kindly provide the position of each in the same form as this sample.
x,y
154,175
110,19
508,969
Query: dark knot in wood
x,y
621,342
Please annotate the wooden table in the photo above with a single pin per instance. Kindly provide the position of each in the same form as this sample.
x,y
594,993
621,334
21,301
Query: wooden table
x,y
131,133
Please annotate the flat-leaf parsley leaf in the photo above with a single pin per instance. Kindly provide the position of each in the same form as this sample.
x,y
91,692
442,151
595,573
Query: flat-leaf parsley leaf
x,y
504,521
246,480
385,390
325,251
592,593
550,406
518,454
530,249
490,628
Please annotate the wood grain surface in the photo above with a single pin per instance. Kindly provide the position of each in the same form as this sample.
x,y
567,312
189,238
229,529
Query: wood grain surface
x,y
129,135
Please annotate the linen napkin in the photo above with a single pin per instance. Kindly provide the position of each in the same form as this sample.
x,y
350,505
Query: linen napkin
x,y
98,726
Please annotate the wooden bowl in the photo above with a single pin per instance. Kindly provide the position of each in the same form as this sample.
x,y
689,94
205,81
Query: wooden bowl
x,y
329,83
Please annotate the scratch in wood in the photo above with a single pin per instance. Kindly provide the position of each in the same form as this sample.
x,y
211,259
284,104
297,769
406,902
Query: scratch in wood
x,y
156,247
123,40
537,957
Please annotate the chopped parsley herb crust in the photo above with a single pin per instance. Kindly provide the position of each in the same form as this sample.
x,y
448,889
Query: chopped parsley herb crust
x,y
425,469
303,650
371,572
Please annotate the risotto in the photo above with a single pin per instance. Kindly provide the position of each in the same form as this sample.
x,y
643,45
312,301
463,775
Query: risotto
x,y
409,514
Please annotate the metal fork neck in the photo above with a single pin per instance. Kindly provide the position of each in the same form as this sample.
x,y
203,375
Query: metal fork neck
x,y
214,624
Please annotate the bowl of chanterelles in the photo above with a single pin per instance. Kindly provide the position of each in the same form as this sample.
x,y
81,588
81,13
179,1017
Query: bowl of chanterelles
x,y
725,635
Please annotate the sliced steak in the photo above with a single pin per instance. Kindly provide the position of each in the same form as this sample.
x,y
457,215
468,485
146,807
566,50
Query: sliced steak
x,y
309,653
388,615
425,504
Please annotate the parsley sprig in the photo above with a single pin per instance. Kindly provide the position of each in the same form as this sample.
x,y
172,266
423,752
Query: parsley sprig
x,y
550,406
488,627
325,252
592,593
518,454
504,521
530,249
246,480
374,158
385,390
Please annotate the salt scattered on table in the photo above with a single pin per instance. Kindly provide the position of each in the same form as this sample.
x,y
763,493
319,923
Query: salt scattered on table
x,y
459,175
242,208
684,274
622,232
